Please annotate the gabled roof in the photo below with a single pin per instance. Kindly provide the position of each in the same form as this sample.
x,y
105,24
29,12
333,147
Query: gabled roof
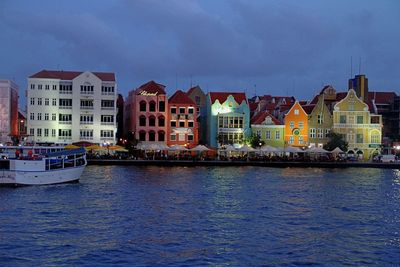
x,y
180,97
70,75
260,118
308,108
222,96
190,91
151,87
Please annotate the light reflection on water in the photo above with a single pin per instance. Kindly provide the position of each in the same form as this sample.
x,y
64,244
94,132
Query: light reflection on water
x,y
149,216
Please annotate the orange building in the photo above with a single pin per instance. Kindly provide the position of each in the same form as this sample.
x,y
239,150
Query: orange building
x,y
183,126
296,126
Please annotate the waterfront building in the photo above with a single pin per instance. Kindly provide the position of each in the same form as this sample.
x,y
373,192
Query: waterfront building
x,y
358,126
121,138
64,107
199,97
296,126
146,113
22,126
360,85
182,129
320,122
228,118
268,129
8,112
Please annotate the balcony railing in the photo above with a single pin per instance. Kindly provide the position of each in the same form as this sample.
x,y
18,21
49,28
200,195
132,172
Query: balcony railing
x,y
87,107
86,122
107,123
65,122
65,107
359,126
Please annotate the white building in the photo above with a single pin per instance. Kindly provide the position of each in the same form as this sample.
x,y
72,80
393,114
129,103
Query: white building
x,y
8,111
65,107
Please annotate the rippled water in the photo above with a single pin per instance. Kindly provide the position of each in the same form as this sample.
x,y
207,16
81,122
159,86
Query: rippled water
x,y
176,216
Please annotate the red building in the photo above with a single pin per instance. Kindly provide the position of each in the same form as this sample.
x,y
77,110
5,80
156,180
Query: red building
x,y
183,126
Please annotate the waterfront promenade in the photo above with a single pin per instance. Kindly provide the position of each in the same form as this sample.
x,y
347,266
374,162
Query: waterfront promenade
x,y
276,164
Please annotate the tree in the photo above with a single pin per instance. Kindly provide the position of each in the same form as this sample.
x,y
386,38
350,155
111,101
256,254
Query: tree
x,y
336,140
255,140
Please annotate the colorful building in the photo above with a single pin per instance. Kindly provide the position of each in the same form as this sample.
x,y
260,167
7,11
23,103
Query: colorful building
x,y
228,118
199,97
183,126
320,121
269,129
146,113
360,128
296,126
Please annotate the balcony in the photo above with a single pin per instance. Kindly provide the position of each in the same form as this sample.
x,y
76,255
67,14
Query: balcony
x,y
87,107
86,138
107,123
87,92
64,137
107,108
86,122
65,92
65,107
65,122
107,93
357,126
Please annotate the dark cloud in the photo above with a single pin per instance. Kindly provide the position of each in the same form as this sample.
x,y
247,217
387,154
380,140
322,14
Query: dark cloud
x,y
277,47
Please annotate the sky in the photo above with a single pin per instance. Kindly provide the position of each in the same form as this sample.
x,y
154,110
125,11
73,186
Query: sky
x,y
258,47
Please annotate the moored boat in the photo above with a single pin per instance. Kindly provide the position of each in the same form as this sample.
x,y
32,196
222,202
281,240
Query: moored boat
x,y
51,168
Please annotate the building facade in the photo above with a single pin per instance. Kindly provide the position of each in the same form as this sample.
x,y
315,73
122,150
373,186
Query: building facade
x,y
64,107
296,126
360,128
183,125
228,118
199,98
268,129
9,132
146,113
320,122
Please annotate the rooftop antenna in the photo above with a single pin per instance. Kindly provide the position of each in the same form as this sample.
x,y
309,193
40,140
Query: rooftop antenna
x,y
191,82
351,66
255,90
359,67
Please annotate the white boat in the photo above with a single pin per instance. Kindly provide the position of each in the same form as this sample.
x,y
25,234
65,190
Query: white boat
x,y
51,168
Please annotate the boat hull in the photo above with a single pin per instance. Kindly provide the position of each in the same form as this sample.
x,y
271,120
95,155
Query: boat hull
x,y
56,176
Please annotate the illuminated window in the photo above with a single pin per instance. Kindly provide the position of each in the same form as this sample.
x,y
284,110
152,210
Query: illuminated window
x,y
296,112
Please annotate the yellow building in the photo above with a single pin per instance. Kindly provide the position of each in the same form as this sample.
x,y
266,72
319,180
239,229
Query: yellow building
x,y
361,129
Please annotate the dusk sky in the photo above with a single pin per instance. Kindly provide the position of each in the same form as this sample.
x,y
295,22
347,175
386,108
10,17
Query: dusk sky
x,y
267,47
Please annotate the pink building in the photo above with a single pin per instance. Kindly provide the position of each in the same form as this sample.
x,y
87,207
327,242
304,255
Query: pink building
x,y
146,113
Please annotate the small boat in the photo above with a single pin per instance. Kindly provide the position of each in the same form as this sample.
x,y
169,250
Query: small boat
x,y
50,168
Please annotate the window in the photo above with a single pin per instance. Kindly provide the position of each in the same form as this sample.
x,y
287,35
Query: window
x,y
87,89
291,139
46,116
190,137
107,133
181,124
31,131
64,133
342,118
107,90
46,101
142,106
86,104
320,133
32,86
173,110
65,89
142,136
277,135
319,119
53,116
327,131
173,123
54,87
312,132
375,138
268,134
230,122
360,119
296,112
152,106
65,103
106,119
181,137
161,136
359,138
182,110
54,102
39,101
161,121
152,136
142,121
190,124
258,133
47,87
39,116
161,106
39,87
39,132
32,101
46,132
86,134
173,137
301,140
152,121
32,116
87,118
53,132
190,110
107,104
301,124
65,118
291,124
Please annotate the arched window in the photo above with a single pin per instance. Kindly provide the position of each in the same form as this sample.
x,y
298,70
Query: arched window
x,y
161,136
142,121
152,136
161,121
152,106
152,121
142,136
142,105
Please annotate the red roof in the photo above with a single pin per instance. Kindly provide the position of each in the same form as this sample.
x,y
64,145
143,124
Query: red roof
x,y
308,108
151,87
253,106
70,75
221,97
382,97
180,97
260,118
